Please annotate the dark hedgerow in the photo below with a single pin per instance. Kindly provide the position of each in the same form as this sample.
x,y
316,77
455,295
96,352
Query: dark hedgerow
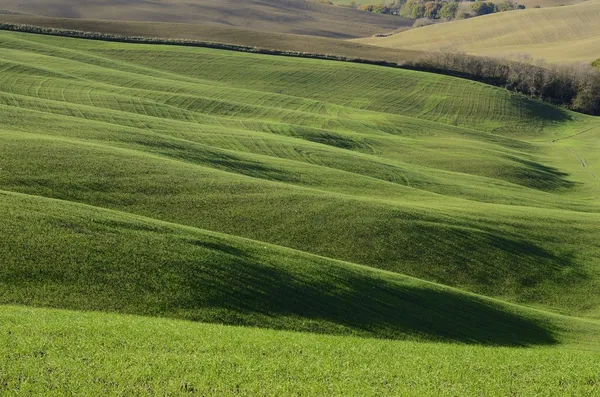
x,y
576,87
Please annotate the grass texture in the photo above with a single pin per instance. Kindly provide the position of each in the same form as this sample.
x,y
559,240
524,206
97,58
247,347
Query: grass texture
x,y
124,355
443,215
556,34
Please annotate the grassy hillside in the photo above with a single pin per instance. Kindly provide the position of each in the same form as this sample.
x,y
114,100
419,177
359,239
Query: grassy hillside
x,y
110,354
110,261
456,220
557,34
276,16
369,165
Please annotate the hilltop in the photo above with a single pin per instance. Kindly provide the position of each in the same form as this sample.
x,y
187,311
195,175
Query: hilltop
x,y
556,34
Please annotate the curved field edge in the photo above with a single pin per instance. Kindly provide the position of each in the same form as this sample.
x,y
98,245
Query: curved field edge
x,y
73,256
124,355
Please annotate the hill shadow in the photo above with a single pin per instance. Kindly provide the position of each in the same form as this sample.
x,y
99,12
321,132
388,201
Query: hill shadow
x,y
535,109
486,261
344,300
541,177
198,154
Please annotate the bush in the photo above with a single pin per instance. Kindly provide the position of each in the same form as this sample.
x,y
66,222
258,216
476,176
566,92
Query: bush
x,y
423,22
448,10
507,5
483,8
376,8
431,9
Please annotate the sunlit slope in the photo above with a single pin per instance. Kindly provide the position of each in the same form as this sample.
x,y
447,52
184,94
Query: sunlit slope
x,y
61,352
557,34
549,3
275,16
439,178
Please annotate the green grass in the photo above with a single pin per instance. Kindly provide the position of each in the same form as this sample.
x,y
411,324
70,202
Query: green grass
x,y
125,355
117,262
297,195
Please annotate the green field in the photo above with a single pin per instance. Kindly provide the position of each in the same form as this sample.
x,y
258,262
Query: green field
x,y
125,355
342,227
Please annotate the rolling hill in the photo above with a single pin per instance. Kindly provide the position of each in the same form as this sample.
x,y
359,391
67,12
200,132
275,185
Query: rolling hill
x,y
359,222
276,16
310,155
557,34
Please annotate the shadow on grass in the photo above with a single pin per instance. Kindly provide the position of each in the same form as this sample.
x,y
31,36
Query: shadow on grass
x,y
129,268
485,261
535,109
541,177
344,300
202,155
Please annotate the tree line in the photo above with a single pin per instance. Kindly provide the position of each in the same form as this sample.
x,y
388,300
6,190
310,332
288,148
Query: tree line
x,y
576,87
437,9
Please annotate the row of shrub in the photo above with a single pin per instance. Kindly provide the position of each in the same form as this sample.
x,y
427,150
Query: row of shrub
x,y
576,87
436,9
415,9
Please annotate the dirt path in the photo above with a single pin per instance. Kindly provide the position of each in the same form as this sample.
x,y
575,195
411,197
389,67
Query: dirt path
x,y
583,163
581,159
579,133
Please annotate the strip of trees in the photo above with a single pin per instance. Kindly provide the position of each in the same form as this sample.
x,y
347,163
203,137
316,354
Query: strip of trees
x,y
437,9
576,87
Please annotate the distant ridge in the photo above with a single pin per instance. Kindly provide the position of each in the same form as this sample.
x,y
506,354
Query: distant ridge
x,y
277,16
558,34
219,34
